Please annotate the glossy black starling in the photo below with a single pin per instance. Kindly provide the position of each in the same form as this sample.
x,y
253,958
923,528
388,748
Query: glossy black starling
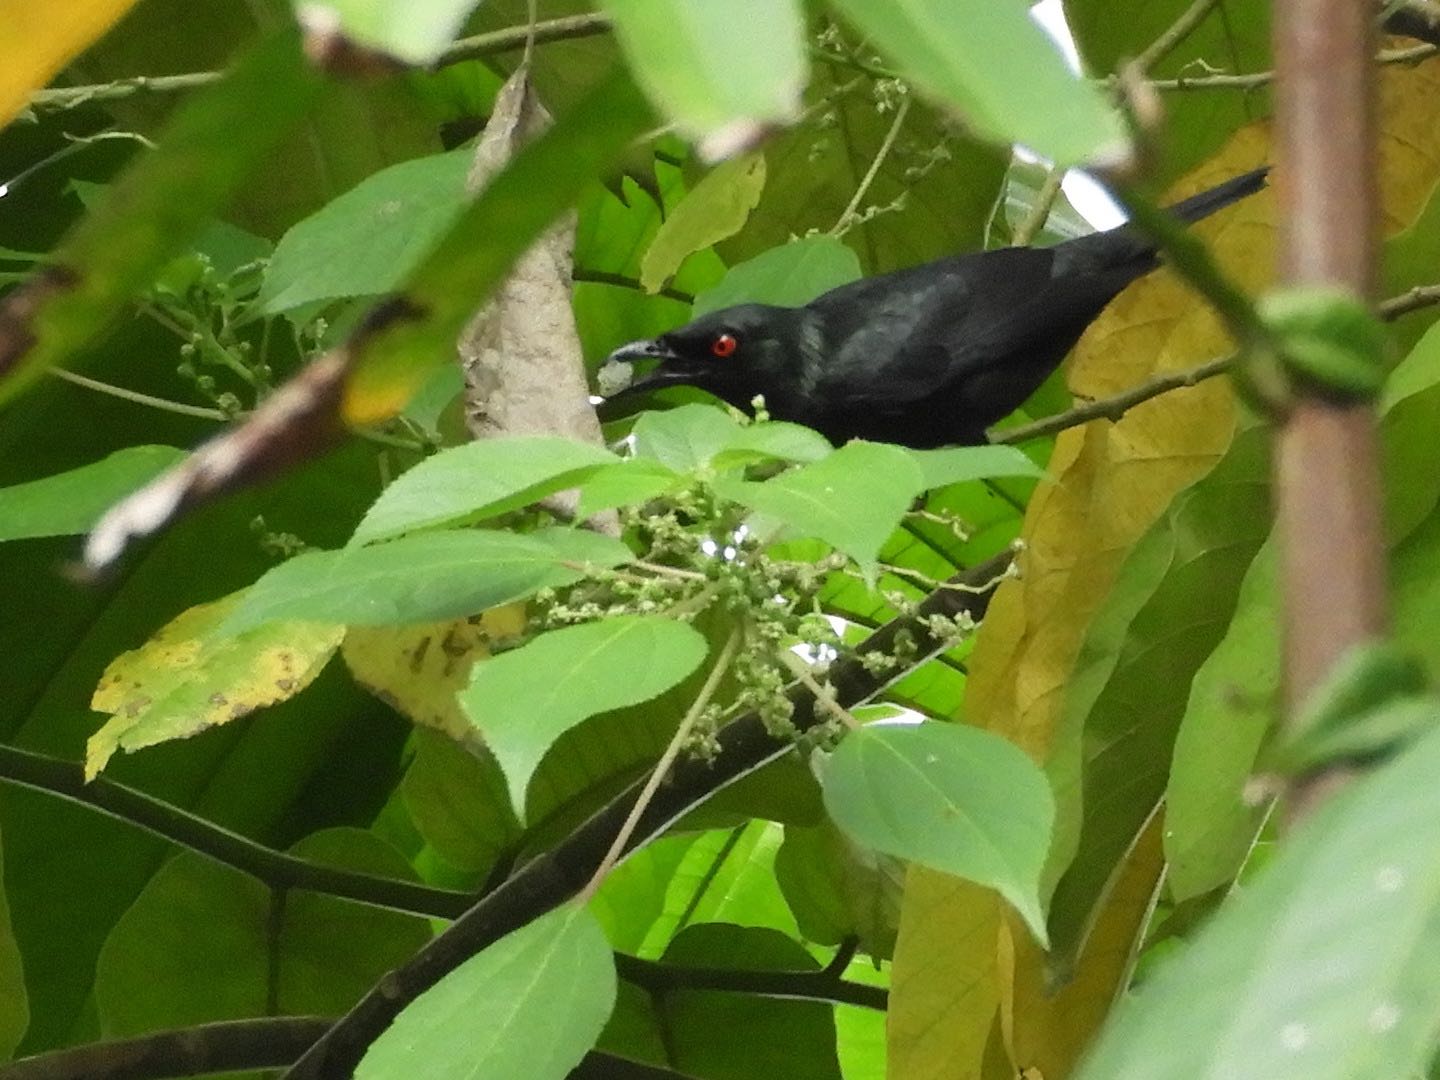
x,y
929,356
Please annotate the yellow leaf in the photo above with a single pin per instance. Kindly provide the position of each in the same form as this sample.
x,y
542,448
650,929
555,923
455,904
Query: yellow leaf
x,y
944,989
1046,1031
38,39
185,679
419,669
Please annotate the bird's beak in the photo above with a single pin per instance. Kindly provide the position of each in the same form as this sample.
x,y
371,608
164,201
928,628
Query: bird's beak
x,y
669,372
640,350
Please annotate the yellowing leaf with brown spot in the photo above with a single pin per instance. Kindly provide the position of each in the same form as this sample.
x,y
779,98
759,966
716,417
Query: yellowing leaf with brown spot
x,y
419,669
38,39
1047,1030
185,679
944,986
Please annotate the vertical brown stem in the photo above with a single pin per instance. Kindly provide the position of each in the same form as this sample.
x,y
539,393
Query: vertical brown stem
x,y
1327,478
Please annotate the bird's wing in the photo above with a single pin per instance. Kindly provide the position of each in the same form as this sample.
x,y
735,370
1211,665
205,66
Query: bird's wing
x,y
898,338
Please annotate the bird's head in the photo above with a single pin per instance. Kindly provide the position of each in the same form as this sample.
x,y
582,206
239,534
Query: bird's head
x,y
735,354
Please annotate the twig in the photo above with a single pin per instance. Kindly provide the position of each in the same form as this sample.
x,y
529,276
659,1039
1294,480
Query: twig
x,y
163,404
802,671
875,71
662,767
277,869
1254,80
823,985
1040,212
1179,30
851,212
661,570
1112,408
1421,296
604,277
202,412
744,745
268,1042
489,44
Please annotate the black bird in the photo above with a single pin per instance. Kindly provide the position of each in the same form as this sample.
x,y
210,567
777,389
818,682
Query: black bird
x,y
929,356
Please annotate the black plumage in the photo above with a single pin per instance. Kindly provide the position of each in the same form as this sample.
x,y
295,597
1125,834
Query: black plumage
x,y
928,356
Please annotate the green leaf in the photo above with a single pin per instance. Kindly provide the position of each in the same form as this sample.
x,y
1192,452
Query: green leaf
x,y
525,699
203,942
161,201
684,438
959,464
792,1039
625,483
186,678
789,276
957,799
840,889
422,578
14,1003
480,479
1324,966
696,438
717,207
457,801
368,240
776,440
853,499
1172,602
1209,824
415,32
70,502
998,68
680,52
726,875
544,992
1411,413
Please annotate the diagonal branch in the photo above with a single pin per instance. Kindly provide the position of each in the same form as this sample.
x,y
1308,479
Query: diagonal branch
x,y
823,985
1112,408
265,1042
560,873
277,869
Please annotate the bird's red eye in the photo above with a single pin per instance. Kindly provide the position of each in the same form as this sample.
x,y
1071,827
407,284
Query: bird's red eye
x,y
724,345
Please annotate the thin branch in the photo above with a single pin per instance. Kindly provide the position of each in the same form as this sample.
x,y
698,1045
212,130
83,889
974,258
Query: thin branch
x,y
551,878
1254,80
604,277
1421,296
1040,212
270,1042
824,985
851,213
1112,408
513,38
277,869
667,759
801,670
1179,30
163,404
493,43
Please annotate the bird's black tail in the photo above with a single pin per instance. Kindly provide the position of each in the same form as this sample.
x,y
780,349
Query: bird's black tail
x,y
1221,195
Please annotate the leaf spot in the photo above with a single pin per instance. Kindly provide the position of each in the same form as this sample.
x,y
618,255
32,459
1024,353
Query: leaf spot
x,y
1383,1017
